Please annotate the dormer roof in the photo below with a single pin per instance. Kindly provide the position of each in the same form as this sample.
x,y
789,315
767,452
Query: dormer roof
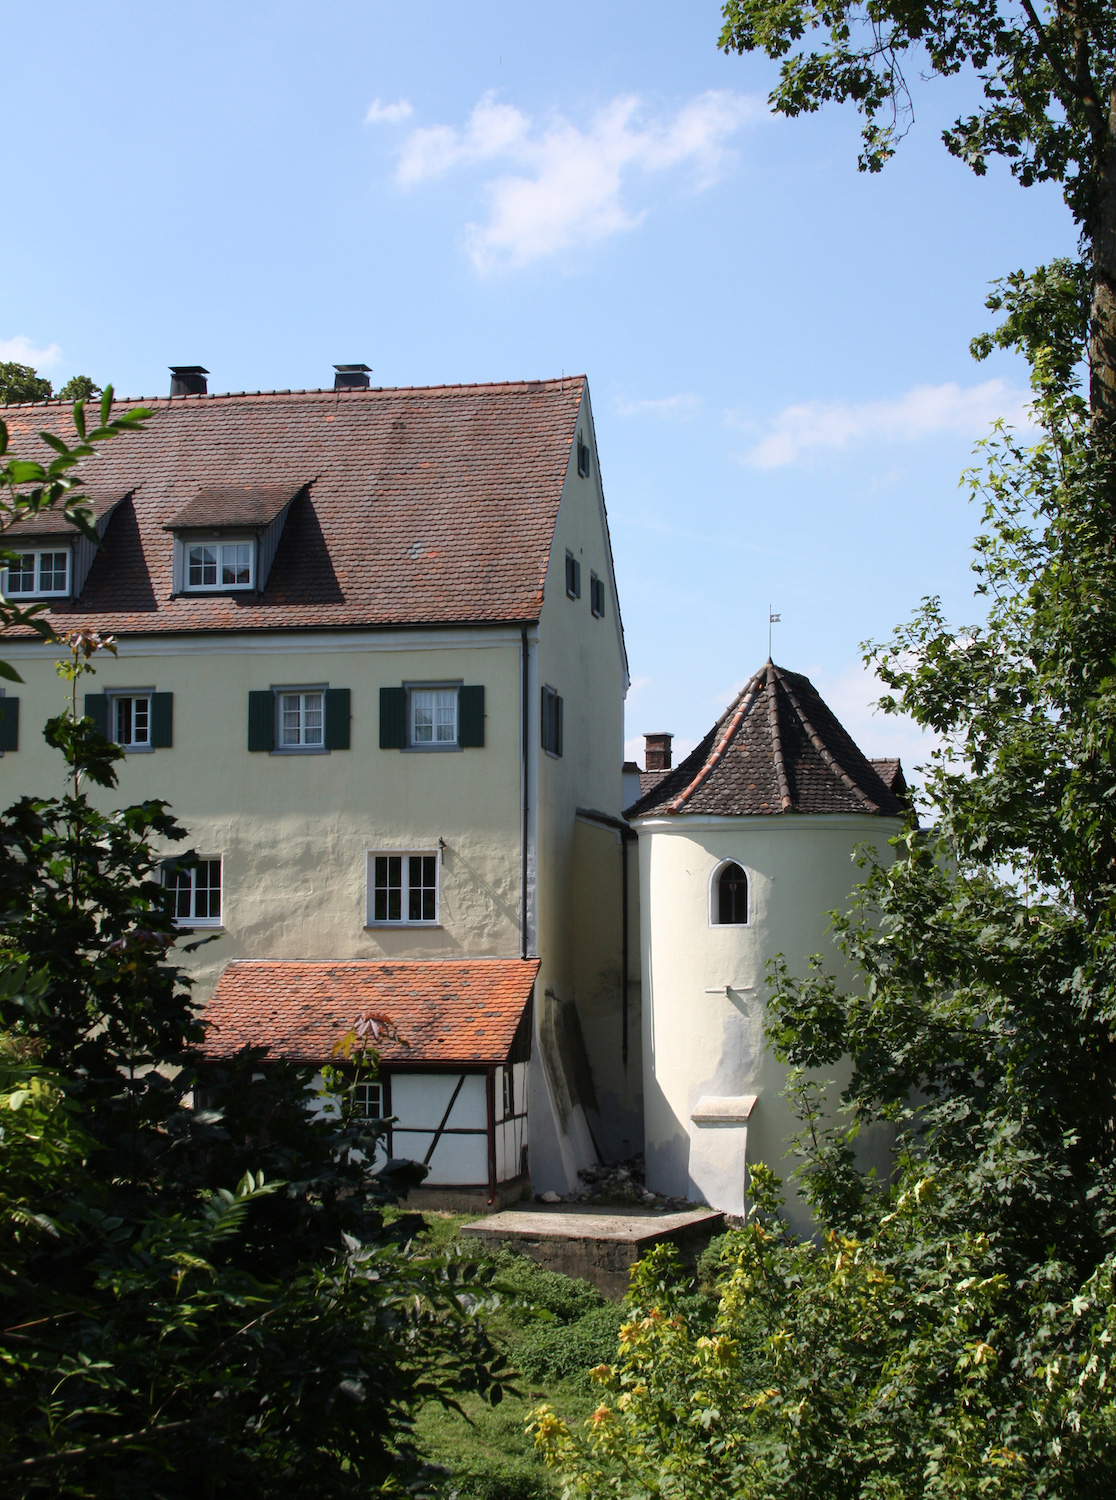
x,y
53,522
424,506
226,507
776,749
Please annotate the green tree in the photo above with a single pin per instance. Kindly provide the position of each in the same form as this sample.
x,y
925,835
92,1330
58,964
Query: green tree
x,y
1048,73
79,388
198,1290
22,383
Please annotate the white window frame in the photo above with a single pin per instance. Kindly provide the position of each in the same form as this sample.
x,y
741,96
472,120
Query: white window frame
x,y
363,1094
115,696
301,746
715,896
172,874
427,746
404,919
38,592
218,543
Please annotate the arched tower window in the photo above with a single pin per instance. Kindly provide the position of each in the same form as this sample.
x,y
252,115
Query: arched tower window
x,y
731,906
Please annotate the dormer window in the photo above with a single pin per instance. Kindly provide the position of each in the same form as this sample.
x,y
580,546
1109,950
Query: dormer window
x,y
220,565
225,538
38,574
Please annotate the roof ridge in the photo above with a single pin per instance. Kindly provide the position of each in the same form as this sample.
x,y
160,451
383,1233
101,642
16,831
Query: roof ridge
x,y
743,704
785,795
828,758
348,393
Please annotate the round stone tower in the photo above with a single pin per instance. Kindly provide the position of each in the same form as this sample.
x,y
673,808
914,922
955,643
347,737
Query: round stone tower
x,y
744,850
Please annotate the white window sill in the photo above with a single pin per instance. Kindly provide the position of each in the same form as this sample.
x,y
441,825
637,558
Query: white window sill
x,y
429,749
375,926
300,750
185,924
135,749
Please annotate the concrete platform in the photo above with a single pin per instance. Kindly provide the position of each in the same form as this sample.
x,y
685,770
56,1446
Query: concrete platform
x,y
600,1247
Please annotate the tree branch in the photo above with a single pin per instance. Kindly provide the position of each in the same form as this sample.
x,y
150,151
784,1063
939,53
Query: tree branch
x,y
1083,91
69,1455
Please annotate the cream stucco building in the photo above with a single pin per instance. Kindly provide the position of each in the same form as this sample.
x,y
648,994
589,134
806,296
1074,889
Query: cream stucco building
x,y
370,651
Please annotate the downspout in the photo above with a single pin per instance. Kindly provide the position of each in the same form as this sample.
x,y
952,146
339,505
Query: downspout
x,y
524,769
624,841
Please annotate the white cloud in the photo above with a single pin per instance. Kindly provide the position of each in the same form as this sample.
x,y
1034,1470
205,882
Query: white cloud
x,y
680,408
380,113
22,351
925,411
568,190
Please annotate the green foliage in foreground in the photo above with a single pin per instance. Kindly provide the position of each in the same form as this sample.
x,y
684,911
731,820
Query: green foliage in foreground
x,y
194,1302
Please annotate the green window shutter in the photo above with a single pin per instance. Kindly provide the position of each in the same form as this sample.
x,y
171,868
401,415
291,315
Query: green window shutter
x,y
261,721
337,714
9,723
393,718
96,708
162,721
470,717
558,724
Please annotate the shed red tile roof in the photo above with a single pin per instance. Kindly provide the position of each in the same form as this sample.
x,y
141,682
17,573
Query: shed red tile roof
x,y
51,523
449,1010
420,506
233,505
777,748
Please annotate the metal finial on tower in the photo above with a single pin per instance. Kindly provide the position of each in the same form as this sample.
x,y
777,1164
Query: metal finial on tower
x,y
772,619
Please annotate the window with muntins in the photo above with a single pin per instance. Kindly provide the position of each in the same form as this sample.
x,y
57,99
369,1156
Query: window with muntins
x,y
38,573
404,888
368,1100
302,720
433,716
131,721
196,893
220,565
731,905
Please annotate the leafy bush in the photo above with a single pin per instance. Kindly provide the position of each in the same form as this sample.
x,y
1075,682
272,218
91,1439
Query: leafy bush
x,y
546,1352
526,1291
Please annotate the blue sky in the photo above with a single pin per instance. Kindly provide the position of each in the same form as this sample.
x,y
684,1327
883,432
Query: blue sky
x,y
777,346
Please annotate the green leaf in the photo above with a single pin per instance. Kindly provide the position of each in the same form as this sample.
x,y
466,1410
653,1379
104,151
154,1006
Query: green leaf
x,y
106,405
24,471
79,418
9,673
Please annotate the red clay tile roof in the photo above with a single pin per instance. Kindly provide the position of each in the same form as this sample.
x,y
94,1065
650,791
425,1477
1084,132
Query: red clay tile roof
x,y
53,522
890,771
451,1011
420,506
233,505
776,749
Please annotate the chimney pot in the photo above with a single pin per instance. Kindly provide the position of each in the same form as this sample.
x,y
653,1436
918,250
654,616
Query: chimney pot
x,y
352,377
188,380
656,755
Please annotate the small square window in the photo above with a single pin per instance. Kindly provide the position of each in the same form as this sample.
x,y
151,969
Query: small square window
x,y
196,893
432,717
583,461
217,565
596,595
302,720
38,574
368,1100
403,888
573,576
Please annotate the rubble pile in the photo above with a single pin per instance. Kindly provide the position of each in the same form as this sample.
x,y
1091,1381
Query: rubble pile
x,y
615,1183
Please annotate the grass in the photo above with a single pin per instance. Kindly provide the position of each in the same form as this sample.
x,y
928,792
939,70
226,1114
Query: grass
x,y
554,1329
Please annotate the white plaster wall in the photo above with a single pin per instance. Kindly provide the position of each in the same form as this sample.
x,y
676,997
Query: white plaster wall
x,y
703,985
582,658
418,1102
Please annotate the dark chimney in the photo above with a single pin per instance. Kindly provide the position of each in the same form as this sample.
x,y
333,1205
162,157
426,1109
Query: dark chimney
x,y
352,377
188,380
656,755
